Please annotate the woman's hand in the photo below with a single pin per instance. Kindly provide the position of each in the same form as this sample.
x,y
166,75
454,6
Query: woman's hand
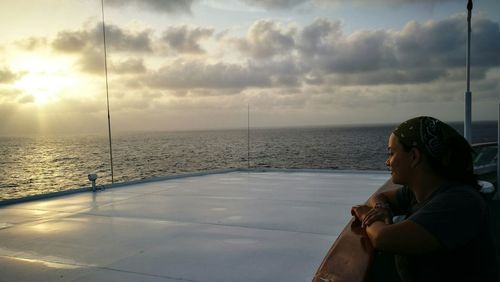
x,y
360,212
377,214
368,215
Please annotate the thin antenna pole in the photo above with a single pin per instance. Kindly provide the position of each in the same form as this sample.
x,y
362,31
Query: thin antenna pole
x,y
248,135
468,94
107,91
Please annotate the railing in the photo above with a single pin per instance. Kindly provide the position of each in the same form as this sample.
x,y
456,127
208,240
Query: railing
x,y
352,256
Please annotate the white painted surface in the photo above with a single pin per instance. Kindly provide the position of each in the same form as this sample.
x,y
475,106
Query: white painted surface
x,y
238,226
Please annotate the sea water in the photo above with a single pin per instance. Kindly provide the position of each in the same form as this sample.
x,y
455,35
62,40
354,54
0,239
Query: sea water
x,y
31,165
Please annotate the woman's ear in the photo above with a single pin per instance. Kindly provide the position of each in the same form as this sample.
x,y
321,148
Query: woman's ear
x,y
416,157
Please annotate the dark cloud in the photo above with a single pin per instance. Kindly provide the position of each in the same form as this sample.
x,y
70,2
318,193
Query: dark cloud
x,y
287,4
72,41
417,53
91,61
442,44
389,76
8,76
485,44
130,66
319,37
275,4
184,39
9,94
266,39
358,53
122,40
26,99
186,75
286,58
88,45
168,6
32,43
394,3
117,39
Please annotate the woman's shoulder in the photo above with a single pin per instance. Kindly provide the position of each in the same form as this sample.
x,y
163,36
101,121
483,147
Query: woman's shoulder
x,y
461,196
459,190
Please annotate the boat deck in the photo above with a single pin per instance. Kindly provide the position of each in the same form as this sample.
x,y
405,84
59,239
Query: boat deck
x,y
233,226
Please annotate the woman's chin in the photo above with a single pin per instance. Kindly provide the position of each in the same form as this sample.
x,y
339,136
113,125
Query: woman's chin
x,y
395,179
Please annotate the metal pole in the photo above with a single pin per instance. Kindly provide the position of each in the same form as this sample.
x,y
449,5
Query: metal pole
x,y
468,94
107,91
248,135
498,149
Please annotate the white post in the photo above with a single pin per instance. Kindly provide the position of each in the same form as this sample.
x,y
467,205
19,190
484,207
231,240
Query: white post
x,y
468,98
468,117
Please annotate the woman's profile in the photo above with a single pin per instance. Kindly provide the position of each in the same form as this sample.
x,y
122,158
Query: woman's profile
x,y
445,235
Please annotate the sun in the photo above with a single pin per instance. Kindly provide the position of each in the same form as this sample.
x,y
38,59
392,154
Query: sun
x,y
44,79
43,87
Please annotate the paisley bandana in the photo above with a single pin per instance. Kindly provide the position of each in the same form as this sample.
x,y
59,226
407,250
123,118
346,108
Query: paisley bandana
x,y
427,134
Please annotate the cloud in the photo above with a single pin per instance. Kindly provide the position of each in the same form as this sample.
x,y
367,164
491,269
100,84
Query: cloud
x,y
184,39
26,99
442,44
289,59
121,40
266,39
393,2
72,41
8,76
32,43
9,95
199,75
288,4
417,53
360,52
117,39
128,66
319,36
91,61
168,6
87,44
275,4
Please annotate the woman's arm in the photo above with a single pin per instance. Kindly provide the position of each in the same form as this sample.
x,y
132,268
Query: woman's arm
x,y
406,237
384,206
386,199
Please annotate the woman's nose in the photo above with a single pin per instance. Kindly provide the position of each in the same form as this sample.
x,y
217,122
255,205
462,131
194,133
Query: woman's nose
x,y
387,163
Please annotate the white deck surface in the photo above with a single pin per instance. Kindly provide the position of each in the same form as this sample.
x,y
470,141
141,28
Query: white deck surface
x,y
237,226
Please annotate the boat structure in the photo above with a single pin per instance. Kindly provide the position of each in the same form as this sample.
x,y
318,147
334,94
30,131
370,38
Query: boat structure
x,y
485,164
232,225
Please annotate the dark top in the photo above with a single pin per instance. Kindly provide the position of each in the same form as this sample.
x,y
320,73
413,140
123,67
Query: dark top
x,y
457,216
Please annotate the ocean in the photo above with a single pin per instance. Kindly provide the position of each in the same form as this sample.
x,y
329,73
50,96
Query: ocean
x,y
32,165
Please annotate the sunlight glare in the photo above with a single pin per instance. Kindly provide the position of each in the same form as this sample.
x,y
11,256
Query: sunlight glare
x,y
45,79
43,87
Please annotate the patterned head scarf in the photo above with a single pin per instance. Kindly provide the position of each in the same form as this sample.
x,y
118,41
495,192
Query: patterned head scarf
x,y
427,134
450,155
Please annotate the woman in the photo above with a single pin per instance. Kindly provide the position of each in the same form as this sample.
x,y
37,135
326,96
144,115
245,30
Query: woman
x,y
446,234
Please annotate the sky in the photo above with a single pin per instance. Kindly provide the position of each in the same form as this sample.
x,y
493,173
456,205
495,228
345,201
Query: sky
x,y
201,64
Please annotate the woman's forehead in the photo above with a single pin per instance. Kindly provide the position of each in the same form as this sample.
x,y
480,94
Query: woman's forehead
x,y
393,140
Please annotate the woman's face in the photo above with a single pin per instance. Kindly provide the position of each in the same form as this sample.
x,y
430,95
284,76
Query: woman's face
x,y
399,161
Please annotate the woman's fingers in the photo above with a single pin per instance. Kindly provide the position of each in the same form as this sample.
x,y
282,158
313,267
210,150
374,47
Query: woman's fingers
x,y
368,215
374,215
360,211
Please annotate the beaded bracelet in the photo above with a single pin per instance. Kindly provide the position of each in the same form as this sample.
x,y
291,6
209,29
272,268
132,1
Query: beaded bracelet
x,y
382,205
385,206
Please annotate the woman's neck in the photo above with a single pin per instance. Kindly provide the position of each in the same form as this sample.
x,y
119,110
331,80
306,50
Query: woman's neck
x,y
425,185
